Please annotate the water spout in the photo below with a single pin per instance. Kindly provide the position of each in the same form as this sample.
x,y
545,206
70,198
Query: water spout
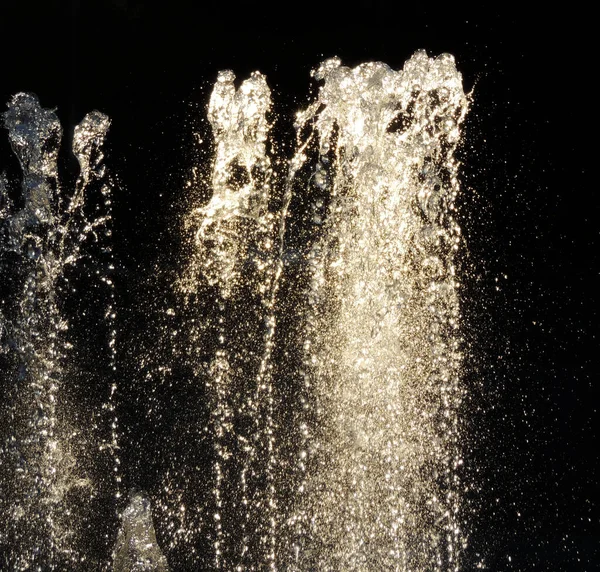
x,y
312,341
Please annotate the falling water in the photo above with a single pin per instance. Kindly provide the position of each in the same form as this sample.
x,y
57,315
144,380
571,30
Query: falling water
x,y
49,484
234,253
382,359
318,327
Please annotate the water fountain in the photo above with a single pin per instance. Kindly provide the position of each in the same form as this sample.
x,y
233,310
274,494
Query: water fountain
x,y
53,245
317,324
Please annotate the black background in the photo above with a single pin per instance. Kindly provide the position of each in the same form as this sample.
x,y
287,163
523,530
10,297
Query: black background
x,y
528,209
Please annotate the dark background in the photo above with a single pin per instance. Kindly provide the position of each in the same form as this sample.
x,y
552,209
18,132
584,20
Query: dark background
x,y
528,210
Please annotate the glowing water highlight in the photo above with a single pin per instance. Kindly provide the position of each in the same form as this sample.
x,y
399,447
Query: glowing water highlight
x,y
317,317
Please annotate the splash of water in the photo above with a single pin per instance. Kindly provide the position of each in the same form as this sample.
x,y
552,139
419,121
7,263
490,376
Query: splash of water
x,y
44,236
379,457
320,307
234,252
136,549
382,360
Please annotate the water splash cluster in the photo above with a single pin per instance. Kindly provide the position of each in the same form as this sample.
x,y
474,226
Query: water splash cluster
x,y
382,347
46,236
234,256
374,445
315,334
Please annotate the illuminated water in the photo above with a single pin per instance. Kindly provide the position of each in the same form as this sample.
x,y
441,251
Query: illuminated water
x,y
317,323
49,239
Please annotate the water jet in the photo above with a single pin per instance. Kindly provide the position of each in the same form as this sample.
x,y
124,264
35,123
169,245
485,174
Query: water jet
x,y
316,329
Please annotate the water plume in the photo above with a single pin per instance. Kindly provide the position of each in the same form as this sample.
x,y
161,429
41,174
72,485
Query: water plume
x,y
46,235
381,488
305,391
